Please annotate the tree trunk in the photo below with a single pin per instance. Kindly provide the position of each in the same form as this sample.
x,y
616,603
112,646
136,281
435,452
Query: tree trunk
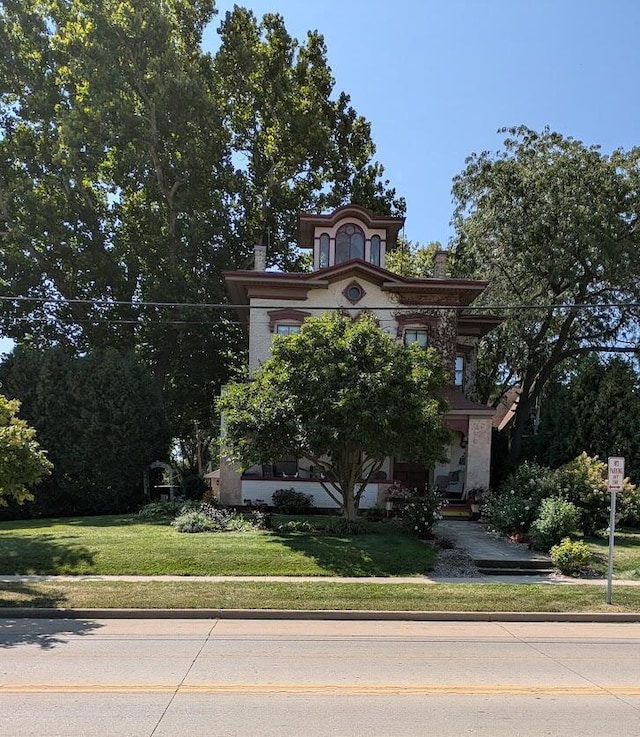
x,y
349,508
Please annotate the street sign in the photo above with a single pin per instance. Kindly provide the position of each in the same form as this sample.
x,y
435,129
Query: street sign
x,y
615,465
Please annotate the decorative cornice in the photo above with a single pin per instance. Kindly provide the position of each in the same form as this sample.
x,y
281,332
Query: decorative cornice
x,y
288,315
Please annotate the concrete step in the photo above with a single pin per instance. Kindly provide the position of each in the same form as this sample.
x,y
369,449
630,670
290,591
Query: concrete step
x,y
513,567
495,571
456,511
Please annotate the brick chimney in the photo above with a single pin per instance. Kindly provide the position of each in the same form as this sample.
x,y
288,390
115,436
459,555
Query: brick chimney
x,y
440,263
260,258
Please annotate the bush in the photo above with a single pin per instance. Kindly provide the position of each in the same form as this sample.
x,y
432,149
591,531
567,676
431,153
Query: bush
x,y
161,510
344,526
513,508
571,557
297,525
194,486
375,514
290,501
628,506
421,513
193,521
556,519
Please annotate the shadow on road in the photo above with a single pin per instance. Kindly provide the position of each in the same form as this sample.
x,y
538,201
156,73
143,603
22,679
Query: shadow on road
x,y
45,633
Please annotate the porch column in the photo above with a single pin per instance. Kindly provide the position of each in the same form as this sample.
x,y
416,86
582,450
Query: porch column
x,y
479,452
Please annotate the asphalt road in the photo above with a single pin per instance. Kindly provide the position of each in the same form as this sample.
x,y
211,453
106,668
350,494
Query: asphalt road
x,y
281,678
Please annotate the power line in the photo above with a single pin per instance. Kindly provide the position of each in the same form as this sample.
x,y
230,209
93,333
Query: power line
x,y
56,301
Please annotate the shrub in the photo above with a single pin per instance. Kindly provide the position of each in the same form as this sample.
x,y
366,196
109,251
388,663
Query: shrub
x,y
556,519
193,521
571,557
290,501
344,526
583,481
297,525
421,513
375,514
513,508
628,506
194,486
160,510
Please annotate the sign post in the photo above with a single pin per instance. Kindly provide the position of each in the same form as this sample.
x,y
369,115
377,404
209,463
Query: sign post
x,y
615,465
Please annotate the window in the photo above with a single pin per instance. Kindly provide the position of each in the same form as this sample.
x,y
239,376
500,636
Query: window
x,y
324,251
375,250
421,337
349,243
459,372
287,329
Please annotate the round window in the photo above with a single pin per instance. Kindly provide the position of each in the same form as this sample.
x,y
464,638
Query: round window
x,y
354,293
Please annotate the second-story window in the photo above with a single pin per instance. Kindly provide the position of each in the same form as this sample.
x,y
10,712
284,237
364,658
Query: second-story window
x,y
349,243
459,372
284,329
419,336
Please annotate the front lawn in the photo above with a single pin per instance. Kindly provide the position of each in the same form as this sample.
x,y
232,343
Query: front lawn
x,y
626,554
125,544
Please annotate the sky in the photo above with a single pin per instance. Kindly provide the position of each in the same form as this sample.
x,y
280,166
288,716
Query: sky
x,y
438,78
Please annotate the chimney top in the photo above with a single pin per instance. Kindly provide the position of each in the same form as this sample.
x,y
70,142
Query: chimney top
x,y
260,258
440,263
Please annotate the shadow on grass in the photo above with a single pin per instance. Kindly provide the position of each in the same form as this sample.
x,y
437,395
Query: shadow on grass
x,y
42,555
373,554
45,633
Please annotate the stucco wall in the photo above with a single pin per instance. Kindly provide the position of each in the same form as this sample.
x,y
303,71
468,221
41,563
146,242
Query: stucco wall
x,y
260,337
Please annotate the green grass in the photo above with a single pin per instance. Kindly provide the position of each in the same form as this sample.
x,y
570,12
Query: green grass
x,y
626,554
319,595
126,545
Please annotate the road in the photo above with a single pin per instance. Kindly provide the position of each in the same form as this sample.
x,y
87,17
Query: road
x,y
168,678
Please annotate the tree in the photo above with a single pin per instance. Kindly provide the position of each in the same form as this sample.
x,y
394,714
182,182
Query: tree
x,y
22,462
344,395
553,226
593,408
101,418
412,259
135,169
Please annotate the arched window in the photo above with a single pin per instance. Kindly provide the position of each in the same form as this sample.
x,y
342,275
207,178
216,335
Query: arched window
x,y
375,250
349,243
324,251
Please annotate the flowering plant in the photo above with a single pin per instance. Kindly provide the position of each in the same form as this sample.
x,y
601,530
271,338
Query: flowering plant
x,y
398,491
421,513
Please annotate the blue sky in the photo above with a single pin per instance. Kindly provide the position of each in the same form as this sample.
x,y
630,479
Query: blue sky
x,y
438,78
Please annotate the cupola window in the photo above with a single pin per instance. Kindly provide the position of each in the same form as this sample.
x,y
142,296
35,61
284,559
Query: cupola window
x,y
349,243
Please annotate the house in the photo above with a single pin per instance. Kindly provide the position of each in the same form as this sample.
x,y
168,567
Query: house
x,y
349,248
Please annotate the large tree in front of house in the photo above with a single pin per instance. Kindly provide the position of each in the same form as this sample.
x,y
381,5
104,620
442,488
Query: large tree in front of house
x,y
554,226
22,462
135,168
344,395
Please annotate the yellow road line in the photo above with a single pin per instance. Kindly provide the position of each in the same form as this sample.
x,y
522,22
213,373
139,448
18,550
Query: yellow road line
x,y
344,689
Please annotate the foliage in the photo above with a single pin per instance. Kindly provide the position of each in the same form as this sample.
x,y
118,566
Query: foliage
x,y
411,259
101,418
297,525
421,513
194,486
399,492
290,501
342,526
514,506
380,402
556,519
135,169
628,507
161,510
593,406
375,513
571,557
22,462
194,521
551,224
584,482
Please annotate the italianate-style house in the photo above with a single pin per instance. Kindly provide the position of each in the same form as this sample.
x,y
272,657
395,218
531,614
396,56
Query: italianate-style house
x,y
349,248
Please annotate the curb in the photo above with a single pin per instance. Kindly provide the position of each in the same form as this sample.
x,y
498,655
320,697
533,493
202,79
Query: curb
x,y
317,614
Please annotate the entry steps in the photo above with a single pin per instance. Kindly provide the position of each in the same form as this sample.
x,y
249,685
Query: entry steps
x,y
497,567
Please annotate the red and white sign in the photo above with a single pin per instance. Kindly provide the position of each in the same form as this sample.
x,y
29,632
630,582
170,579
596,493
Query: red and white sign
x,y
616,473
